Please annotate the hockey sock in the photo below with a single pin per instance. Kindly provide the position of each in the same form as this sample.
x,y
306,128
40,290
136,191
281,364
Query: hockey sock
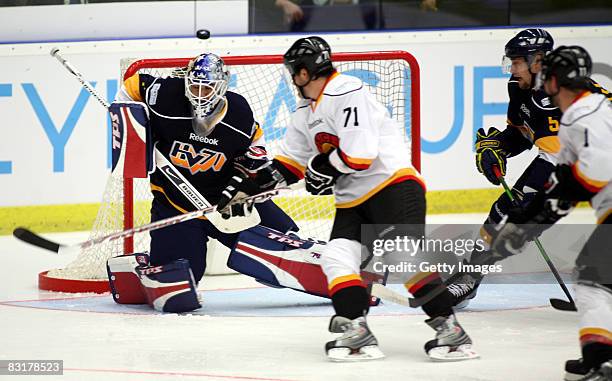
x,y
595,354
351,302
441,305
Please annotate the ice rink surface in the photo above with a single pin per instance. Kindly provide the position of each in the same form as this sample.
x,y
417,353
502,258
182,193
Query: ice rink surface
x,y
249,332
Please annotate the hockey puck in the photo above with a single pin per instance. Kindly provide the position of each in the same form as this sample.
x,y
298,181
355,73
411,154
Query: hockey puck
x,y
203,34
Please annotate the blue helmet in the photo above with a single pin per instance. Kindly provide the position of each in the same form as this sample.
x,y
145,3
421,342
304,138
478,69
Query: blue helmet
x,y
570,65
528,42
206,81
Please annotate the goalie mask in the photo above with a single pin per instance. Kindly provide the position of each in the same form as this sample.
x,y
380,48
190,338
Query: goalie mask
x,y
206,82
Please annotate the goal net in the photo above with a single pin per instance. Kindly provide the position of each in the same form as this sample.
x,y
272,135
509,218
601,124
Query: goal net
x,y
392,76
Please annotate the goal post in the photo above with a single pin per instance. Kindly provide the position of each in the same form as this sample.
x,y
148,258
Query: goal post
x,y
392,76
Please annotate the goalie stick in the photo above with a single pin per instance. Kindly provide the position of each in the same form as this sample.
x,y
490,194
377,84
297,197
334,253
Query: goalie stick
x,y
32,238
558,304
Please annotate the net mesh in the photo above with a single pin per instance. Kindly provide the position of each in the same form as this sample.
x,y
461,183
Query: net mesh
x,y
264,82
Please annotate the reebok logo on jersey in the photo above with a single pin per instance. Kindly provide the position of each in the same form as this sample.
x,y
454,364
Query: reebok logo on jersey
x,y
315,123
525,110
203,139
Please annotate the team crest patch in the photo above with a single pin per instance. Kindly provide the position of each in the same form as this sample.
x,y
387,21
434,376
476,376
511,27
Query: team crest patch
x,y
185,156
325,142
153,93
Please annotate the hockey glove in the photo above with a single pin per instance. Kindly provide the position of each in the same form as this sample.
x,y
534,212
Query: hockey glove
x,y
523,225
320,175
489,154
238,188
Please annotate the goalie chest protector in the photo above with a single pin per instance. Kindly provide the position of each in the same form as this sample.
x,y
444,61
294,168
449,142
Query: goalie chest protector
x,y
206,161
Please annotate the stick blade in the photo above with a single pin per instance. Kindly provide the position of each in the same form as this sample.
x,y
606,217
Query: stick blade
x,y
562,305
32,238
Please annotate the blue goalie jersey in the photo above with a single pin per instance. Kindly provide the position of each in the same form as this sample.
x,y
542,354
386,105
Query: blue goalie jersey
x,y
207,162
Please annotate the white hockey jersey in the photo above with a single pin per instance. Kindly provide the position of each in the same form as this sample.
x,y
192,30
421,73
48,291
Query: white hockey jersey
x,y
586,145
370,147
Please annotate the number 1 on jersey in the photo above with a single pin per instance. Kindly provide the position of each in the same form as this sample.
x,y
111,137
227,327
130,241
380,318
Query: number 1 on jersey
x,y
348,112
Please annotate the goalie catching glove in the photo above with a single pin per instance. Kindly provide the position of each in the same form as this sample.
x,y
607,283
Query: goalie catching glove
x,y
320,175
489,154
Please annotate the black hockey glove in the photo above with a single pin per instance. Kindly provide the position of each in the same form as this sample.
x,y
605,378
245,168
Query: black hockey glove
x,y
489,154
525,224
320,175
238,188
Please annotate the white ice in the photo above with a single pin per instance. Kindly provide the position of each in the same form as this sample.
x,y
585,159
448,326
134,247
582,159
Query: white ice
x,y
247,332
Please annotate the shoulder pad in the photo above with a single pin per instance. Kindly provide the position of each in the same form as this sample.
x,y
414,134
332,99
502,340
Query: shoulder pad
x,y
542,100
238,102
239,114
343,84
583,108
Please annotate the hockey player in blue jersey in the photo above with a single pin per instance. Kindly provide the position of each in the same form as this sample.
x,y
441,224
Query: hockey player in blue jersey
x,y
206,138
532,120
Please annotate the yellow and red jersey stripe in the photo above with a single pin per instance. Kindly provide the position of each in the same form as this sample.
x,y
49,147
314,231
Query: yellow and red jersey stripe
x,y
419,280
595,335
343,282
589,184
292,165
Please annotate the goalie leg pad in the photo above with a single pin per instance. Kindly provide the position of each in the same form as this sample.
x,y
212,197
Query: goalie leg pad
x,y
171,287
124,278
280,260
277,259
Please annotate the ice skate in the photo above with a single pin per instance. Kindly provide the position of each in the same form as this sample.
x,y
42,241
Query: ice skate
x,y
575,370
451,342
356,342
604,373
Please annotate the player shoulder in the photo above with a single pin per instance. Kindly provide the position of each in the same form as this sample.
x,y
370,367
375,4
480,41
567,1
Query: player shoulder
x,y
238,104
239,113
342,84
542,101
586,107
153,86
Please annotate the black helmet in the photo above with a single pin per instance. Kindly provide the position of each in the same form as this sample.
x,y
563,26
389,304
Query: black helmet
x,y
528,42
571,65
310,53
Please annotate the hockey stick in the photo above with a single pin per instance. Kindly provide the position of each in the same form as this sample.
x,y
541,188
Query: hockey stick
x,y
32,238
55,53
234,225
383,292
559,304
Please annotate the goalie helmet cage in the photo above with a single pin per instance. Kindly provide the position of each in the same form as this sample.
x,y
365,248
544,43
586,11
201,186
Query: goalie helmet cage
x,y
392,76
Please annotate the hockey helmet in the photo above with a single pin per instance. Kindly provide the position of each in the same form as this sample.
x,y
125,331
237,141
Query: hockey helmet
x,y
206,81
526,44
570,65
311,53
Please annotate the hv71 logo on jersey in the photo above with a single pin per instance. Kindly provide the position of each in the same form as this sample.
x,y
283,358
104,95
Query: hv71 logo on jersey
x,y
185,156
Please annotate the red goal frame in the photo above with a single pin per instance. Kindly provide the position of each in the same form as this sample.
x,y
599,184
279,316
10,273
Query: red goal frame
x,y
101,285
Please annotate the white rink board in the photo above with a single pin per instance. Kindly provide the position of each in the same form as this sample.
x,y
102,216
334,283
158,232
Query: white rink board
x,y
53,149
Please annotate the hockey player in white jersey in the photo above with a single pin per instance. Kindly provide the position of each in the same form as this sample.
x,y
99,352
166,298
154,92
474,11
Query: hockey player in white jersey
x,y
583,173
342,141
